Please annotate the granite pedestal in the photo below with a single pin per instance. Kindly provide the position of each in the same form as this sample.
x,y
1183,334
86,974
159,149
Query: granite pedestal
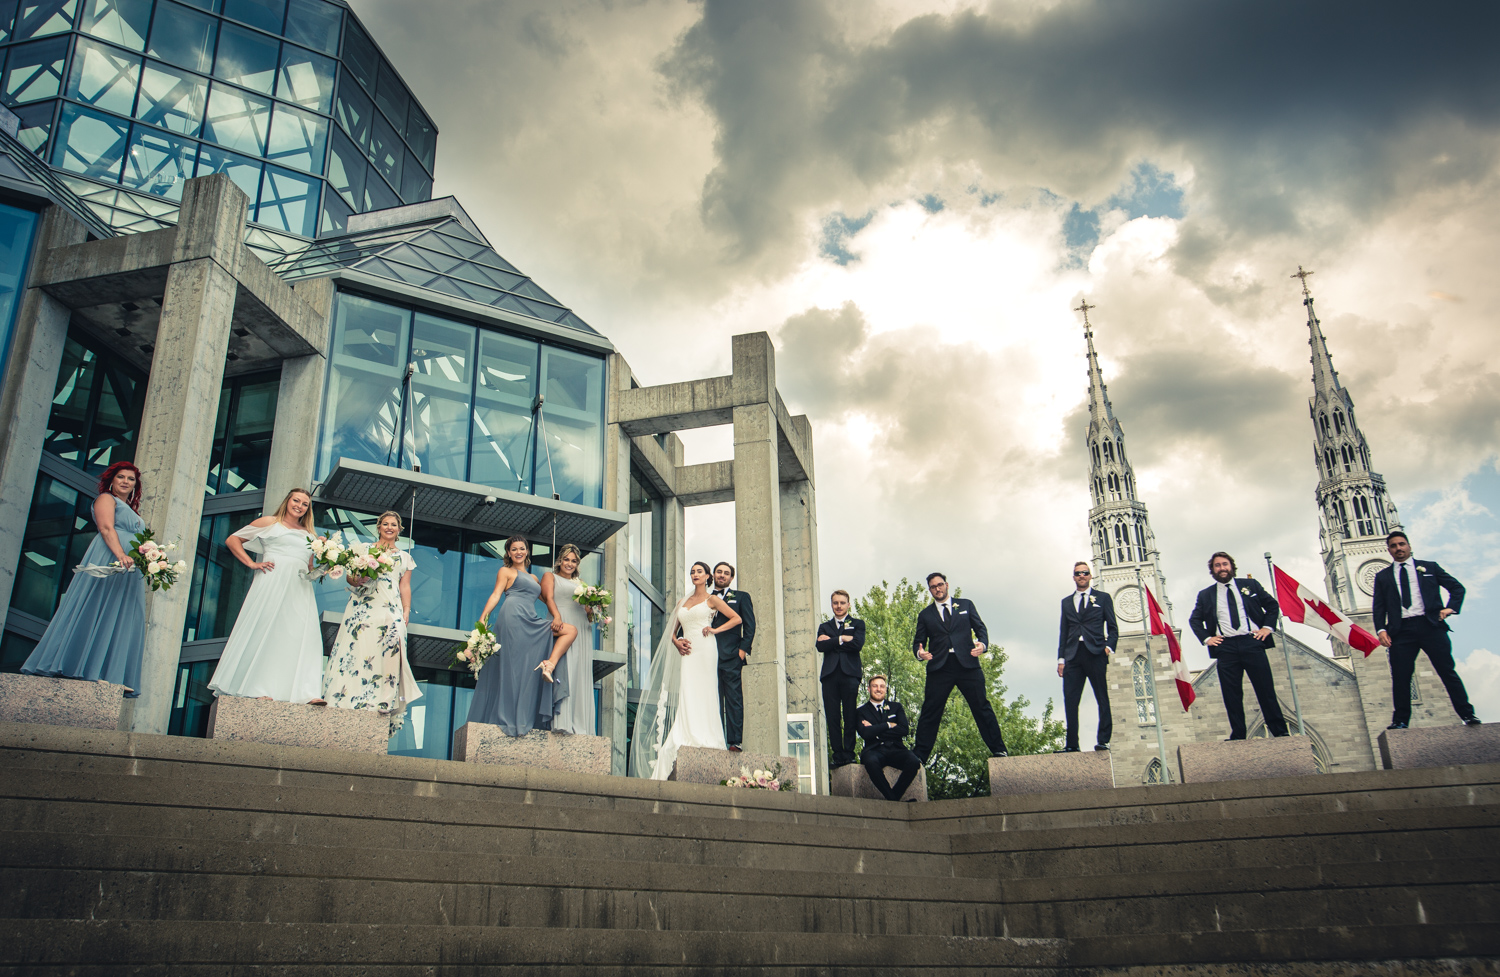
x,y
60,701
700,765
572,752
1439,746
1048,772
1253,759
298,724
853,780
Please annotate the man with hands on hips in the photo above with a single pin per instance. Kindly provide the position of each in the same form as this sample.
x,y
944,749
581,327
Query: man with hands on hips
x,y
1233,618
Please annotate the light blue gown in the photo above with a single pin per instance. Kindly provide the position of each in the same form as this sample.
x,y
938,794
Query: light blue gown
x,y
510,692
99,630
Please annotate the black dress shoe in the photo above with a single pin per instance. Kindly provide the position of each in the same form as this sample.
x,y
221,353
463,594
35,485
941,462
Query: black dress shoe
x,y
1100,748
1473,721
1397,726
734,749
999,756
1067,749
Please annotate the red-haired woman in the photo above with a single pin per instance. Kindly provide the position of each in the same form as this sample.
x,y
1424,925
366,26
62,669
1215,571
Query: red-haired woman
x,y
99,630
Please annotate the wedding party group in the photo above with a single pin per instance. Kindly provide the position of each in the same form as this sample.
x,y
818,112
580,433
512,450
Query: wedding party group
x,y
275,650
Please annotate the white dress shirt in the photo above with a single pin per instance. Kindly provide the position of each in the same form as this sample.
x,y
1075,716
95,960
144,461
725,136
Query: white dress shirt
x,y
1417,608
1227,592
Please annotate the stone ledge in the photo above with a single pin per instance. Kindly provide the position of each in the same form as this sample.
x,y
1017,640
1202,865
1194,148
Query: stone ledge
x,y
1046,773
1255,759
53,701
700,765
298,724
571,752
852,780
1439,746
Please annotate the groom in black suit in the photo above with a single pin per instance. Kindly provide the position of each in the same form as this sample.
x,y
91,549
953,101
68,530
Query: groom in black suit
x,y
1086,638
734,650
950,637
840,640
1410,617
1233,618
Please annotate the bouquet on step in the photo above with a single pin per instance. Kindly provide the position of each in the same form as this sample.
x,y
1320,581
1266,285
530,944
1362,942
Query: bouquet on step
x,y
594,600
146,555
760,780
478,646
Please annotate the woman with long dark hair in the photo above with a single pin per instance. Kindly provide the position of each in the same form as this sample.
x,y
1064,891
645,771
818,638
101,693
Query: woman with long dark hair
x,y
99,630
517,689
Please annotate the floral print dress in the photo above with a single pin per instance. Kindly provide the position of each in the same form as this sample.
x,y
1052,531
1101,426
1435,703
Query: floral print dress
x,y
368,668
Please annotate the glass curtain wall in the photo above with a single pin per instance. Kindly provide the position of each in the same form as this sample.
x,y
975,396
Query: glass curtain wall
x,y
17,228
466,411
96,407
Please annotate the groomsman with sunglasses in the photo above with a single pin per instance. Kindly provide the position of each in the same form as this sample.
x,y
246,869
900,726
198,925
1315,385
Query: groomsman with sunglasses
x,y
1087,636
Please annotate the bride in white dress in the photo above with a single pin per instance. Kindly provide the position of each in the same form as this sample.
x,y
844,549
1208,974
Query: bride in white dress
x,y
681,704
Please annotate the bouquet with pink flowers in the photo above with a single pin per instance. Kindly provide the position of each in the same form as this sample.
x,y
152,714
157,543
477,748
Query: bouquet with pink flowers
x,y
478,646
330,557
146,555
594,600
760,780
362,562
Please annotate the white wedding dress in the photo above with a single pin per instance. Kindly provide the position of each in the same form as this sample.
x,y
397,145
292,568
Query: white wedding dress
x,y
683,707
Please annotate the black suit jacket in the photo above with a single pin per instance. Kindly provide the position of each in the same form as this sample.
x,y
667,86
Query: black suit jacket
x,y
1096,625
731,641
1430,577
957,635
841,657
878,733
1260,607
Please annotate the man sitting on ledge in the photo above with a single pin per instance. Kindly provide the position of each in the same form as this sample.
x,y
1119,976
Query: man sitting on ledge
x,y
882,725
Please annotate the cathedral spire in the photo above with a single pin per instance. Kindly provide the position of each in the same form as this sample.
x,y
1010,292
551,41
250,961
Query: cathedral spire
x,y
1100,411
1354,510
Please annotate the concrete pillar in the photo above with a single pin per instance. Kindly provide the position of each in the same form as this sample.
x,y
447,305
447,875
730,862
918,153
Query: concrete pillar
x,y
30,378
181,404
299,403
612,690
806,606
757,530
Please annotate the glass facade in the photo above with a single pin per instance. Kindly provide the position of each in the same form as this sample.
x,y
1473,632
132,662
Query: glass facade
x,y
59,528
96,407
467,410
145,94
242,434
17,228
220,581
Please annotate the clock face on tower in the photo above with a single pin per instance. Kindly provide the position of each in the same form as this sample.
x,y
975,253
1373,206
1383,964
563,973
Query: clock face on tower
x,y
1128,604
1365,575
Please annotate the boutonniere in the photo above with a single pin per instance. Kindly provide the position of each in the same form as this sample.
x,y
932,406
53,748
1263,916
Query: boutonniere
x,y
1092,601
1245,591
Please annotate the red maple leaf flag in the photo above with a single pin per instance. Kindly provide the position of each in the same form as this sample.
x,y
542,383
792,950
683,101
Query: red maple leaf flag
x,y
1179,667
1303,606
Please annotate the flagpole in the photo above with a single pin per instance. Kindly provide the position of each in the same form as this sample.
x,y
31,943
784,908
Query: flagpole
x,y
1161,743
1285,650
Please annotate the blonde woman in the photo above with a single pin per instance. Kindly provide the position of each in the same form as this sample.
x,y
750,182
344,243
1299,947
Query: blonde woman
x,y
576,713
276,649
369,669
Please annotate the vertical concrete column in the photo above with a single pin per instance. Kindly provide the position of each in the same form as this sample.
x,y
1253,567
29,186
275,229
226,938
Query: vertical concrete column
x,y
182,400
30,378
299,404
613,688
757,533
805,603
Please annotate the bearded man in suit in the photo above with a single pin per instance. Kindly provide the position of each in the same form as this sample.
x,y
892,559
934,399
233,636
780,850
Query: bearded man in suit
x,y
882,725
1233,618
734,651
1410,617
950,637
1086,638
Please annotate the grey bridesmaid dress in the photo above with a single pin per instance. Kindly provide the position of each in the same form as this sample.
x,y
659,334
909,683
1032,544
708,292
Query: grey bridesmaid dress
x,y
510,691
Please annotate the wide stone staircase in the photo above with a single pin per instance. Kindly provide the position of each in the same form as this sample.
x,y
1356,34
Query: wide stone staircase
x,y
154,855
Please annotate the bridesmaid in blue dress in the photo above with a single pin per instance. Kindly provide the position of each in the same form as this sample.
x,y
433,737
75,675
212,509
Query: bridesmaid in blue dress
x,y
99,630
516,689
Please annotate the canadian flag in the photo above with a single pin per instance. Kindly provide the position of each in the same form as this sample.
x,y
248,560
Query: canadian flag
x,y
1179,667
1303,606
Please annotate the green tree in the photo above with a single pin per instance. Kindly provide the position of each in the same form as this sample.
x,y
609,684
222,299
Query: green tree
x,y
959,766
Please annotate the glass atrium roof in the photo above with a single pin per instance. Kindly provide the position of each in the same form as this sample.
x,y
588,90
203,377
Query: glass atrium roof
x,y
439,254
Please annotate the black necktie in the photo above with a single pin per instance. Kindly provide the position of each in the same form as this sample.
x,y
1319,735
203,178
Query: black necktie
x,y
943,613
1234,612
1405,586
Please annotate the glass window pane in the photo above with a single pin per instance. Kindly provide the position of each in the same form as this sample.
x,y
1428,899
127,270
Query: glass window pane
x,y
247,58
172,99
386,150
306,78
362,412
438,433
360,55
335,219
35,71
244,171
265,14
249,428
212,6
37,18
574,412
502,412
391,95
438,551
314,23
220,581
289,201
481,562
415,183
237,120
421,135
182,36
378,194
43,572
35,125
298,138
159,164
104,76
120,21
346,170
16,228
7,18
90,143
353,110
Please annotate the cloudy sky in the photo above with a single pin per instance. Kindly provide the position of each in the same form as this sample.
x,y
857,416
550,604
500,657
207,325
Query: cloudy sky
x,y
911,197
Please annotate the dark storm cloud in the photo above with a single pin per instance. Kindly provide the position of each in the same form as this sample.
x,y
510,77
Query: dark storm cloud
x,y
1276,105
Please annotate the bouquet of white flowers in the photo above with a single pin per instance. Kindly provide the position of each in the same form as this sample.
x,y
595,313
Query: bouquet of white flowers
x,y
760,780
330,557
146,555
594,600
478,646
364,562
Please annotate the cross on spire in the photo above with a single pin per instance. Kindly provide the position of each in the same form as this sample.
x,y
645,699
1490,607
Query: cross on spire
x,y
1303,275
1084,308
